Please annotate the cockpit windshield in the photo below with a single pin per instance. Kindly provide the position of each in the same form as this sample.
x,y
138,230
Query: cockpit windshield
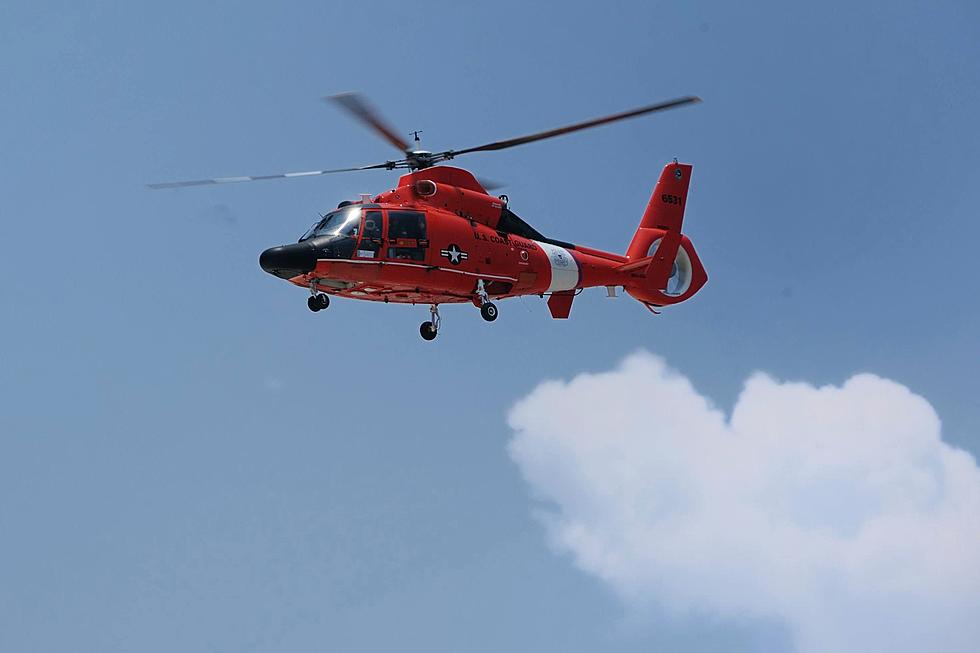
x,y
343,222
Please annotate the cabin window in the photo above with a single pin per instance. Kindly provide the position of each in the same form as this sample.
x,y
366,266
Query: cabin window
x,y
407,239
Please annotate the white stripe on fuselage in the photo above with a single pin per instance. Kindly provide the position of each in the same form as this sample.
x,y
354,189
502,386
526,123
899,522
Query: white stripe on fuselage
x,y
418,265
564,267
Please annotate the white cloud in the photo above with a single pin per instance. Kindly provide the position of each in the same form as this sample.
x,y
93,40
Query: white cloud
x,y
836,509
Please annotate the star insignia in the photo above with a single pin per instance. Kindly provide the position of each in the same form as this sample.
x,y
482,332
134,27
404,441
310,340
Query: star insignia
x,y
454,254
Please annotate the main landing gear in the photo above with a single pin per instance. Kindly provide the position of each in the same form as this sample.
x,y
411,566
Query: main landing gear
x,y
487,308
430,329
488,311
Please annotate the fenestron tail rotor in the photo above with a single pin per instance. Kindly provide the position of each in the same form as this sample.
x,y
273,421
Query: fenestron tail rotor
x,y
416,159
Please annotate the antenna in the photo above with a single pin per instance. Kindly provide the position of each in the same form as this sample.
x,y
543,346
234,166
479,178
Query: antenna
x,y
417,146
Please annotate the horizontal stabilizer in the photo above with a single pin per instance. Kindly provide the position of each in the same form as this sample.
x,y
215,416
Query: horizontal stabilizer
x,y
633,266
662,268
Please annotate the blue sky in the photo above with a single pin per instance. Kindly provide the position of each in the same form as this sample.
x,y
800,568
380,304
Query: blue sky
x,y
191,459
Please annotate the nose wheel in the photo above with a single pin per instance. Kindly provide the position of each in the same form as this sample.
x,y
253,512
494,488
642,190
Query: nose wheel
x,y
430,328
318,302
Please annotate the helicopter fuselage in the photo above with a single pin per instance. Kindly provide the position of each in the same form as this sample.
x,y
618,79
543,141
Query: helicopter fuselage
x,y
439,238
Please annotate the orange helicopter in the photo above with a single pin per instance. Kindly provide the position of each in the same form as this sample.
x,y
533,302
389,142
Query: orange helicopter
x,y
439,237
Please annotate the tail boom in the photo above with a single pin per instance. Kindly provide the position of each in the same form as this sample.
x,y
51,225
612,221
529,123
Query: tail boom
x,y
661,266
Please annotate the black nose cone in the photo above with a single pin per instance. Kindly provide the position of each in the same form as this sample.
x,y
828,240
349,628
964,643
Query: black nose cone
x,y
288,261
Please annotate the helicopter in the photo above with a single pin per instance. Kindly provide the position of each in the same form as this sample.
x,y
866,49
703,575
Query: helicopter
x,y
440,237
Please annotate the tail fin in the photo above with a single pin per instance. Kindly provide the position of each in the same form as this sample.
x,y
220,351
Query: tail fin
x,y
661,259
665,210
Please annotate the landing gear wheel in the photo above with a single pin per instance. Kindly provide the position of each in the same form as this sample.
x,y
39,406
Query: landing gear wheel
x,y
318,302
428,331
488,311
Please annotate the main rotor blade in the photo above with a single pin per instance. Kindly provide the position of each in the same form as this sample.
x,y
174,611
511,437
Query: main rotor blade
x,y
530,138
360,109
287,175
490,185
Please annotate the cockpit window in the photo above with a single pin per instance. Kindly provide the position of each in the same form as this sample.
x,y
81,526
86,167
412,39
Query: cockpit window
x,y
344,222
370,243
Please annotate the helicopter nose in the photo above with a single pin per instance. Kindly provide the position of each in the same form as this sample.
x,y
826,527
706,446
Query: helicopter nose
x,y
288,261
